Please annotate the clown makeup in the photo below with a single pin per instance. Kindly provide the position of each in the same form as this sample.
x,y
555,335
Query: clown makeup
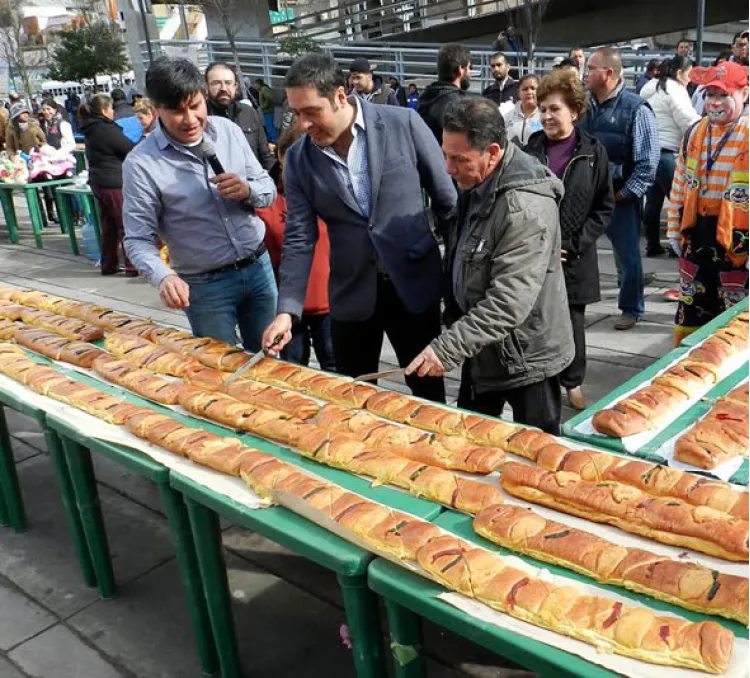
x,y
723,108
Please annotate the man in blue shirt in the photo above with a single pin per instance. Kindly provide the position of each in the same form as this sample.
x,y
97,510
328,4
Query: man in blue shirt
x,y
626,126
220,271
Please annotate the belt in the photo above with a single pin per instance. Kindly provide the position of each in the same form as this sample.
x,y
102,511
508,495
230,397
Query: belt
x,y
241,263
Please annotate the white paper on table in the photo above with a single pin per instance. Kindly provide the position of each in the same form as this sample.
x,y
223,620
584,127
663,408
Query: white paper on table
x,y
635,442
626,666
91,427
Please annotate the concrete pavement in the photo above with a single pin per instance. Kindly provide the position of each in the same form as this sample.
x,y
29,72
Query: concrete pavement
x,y
288,610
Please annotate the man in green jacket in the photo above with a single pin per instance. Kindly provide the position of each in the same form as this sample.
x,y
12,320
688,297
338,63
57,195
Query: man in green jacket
x,y
507,312
267,105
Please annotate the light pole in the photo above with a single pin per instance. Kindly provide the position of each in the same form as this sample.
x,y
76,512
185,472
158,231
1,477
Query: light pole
x,y
699,31
142,8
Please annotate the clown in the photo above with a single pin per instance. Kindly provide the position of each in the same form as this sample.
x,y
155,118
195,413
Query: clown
x,y
707,222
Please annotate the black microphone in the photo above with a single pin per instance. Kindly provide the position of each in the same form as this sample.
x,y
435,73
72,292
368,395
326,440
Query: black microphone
x,y
209,152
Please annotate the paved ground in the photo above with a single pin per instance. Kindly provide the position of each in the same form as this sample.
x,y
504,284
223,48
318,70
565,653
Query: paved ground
x,y
288,611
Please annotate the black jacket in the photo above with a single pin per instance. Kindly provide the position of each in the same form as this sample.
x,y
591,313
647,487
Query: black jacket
x,y
500,96
585,212
122,109
106,148
249,121
433,102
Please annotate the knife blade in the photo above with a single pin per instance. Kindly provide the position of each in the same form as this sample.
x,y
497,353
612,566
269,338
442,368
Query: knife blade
x,y
253,361
372,376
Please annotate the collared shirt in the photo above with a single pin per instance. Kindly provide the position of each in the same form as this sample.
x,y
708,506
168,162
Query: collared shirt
x,y
355,170
166,192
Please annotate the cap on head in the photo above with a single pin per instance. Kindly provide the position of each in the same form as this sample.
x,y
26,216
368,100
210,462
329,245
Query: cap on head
x,y
728,76
17,109
361,65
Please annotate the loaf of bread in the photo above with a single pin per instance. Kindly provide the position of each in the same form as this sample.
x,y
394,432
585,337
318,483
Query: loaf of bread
x,y
147,354
664,519
420,479
10,310
114,321
253,392
229,411
654,479
688,585
7,293
141,381
209,352
70,328
692,376
719,436
7,329
611,626
56,347
446,451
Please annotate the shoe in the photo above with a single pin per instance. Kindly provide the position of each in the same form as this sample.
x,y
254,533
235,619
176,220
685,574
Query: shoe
x,y
625,322
576,399
648,278
652,252
131,273
672,295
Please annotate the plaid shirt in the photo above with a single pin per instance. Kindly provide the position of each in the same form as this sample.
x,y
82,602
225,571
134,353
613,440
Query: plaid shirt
x,y
355,171
646,153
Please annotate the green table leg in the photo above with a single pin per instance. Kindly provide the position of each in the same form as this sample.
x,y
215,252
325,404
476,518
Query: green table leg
x,y
67,495
361,606
35,214
66,219
10,490
9,211
78,459
406,641
179,524
207,535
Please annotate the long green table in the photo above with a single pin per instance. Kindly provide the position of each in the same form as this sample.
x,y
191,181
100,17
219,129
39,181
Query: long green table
x,y
30,191
719,321
63,198
347,561
409,597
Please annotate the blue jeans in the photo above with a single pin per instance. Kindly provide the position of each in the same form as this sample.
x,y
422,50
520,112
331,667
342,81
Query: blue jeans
x,y
315,330
219,302
655,199
270,125
625,233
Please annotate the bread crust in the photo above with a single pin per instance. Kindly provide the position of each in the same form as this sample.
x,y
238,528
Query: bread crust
x,y
146,354
55,347
143,382
70,328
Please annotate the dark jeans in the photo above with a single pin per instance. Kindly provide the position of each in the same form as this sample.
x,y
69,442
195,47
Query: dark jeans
x,y
220,302
655,199
625,233
357,345
574,373
538,405
312,330
110,208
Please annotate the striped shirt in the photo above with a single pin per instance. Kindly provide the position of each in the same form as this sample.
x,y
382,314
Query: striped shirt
x,y
711,186
355,171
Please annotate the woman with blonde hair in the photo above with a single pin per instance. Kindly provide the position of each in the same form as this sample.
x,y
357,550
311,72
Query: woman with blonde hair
x,y
585,211
146,113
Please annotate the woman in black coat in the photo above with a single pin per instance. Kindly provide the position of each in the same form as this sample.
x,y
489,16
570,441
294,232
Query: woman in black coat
x,y
581,162
106,149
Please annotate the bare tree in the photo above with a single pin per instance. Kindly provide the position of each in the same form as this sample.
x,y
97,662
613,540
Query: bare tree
x,y
22,56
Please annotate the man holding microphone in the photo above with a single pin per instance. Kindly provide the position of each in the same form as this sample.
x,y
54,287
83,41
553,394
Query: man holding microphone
x,y
195,183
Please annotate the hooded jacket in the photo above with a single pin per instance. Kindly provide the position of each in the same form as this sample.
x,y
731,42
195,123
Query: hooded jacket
x,y
514,326
519,127
106,149
17,139
673,110
433,102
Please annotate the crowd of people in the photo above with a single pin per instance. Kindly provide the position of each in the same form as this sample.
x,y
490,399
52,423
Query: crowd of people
x,y
461,227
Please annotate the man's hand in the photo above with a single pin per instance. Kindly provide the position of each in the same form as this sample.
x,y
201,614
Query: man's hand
x,y
281,325
426,364
619,197
174,292
231,187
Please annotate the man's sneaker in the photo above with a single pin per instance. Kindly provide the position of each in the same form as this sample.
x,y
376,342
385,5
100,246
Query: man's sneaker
x,y
672,295
625,322
576,399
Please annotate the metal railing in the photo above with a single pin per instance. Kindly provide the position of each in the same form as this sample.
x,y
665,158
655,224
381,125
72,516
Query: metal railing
x,y
405,61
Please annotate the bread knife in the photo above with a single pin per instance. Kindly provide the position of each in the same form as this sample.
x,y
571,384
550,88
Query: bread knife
x,y
253,361
372,376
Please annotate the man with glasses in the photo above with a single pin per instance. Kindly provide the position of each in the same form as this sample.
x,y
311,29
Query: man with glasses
x,y
626,126
221,88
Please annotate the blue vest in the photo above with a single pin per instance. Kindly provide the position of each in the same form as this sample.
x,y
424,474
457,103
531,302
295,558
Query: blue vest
x,y
612,124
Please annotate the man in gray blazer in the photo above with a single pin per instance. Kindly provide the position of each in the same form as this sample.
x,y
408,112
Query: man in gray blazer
x,y
361,169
